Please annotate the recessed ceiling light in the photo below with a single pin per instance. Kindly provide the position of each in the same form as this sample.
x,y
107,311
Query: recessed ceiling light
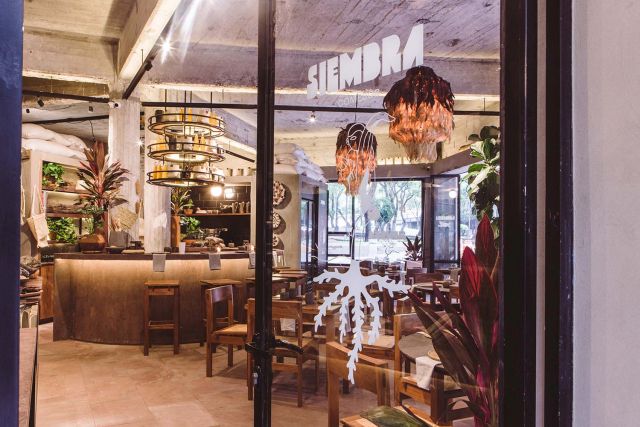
x,y
312,117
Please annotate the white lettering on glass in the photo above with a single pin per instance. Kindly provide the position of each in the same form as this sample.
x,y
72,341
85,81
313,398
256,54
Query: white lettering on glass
x,y
366,63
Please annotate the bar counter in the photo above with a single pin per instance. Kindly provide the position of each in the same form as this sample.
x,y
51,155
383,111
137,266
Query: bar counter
x,y
99,297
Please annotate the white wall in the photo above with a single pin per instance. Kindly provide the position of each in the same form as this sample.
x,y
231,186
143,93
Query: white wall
x,y
607,207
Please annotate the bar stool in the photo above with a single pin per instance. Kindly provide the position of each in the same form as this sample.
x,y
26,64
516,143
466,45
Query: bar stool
x,y
215,283
162,288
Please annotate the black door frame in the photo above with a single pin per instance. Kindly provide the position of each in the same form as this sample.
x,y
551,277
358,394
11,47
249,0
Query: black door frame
x,y
10,129
517,292
559,216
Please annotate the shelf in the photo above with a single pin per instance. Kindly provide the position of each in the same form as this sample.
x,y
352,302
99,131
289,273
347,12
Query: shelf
x,y
77,193
67,215
221,214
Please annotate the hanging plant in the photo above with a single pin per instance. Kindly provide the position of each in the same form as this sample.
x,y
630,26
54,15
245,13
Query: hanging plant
x,y
483,178
355,155
422,107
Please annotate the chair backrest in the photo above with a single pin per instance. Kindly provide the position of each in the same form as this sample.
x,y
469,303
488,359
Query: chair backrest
x,y
404,324
427,277
411,272
214,296
279,310
370,374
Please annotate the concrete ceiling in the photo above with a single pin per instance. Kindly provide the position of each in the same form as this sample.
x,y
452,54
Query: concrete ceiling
x,y
214,54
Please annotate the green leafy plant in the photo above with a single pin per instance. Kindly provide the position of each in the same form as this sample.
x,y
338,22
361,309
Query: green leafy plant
x,y
180,200
467,342
102,181
483,178
192,226
52,175
414,249
62,229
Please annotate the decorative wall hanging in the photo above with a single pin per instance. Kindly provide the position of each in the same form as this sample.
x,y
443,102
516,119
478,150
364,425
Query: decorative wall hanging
x,y
357,285
279,193
422,107
355,156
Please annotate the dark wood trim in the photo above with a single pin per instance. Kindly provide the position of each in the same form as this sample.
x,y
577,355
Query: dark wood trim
x,y
11,20
517,287
456,161
559,217
264,210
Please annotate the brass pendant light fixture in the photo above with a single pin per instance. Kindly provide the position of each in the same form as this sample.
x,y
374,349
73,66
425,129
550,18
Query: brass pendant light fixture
x,y
187,149
421,105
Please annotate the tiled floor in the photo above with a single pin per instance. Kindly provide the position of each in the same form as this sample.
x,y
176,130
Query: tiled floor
x,y
83,384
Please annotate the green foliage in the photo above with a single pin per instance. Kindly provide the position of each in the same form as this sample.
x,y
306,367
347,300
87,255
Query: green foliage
x,y
52,174
414,249
483,178
62,229
192,225
180,200
102,181
387,210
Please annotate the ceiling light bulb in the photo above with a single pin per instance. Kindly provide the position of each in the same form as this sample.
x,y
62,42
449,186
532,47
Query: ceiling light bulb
x,y
140,143
216,191
453,194
312,117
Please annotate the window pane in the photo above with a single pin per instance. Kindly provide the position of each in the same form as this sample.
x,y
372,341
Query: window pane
x,y
445,228
340,209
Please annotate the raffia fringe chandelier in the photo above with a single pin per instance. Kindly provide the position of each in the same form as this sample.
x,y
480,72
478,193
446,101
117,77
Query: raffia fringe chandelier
x,y
355,155
422,107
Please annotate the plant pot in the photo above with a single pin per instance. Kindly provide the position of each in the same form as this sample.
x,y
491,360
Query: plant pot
x,y
188,211
175,231
92,242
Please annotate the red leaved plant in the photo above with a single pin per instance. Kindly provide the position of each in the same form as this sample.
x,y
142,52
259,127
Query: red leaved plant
x,y
467,342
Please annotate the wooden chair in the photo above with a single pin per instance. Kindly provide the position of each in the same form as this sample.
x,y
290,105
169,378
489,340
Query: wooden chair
x,y
231,334
309,345
442,392
371,374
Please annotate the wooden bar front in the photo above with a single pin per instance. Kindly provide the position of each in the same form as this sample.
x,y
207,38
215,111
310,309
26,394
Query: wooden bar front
x,y
99,298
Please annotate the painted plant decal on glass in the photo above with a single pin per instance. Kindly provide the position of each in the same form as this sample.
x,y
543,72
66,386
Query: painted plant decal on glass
x,y
357,286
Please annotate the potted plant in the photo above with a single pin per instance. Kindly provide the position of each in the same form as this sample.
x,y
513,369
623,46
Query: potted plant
x,y
52,175
483,178
192,229
414,252
102,181
467,342
180,202
62,230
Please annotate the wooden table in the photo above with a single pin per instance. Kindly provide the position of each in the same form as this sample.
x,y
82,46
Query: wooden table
x,y
415,345
453,291
277,283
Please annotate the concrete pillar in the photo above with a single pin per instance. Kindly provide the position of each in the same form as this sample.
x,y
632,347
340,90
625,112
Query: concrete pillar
x,y
157,202
124,134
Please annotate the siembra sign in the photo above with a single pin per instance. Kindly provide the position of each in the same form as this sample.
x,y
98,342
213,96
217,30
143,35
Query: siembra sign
x,y
366,64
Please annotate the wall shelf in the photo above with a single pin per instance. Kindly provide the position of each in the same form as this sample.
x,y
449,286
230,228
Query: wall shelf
x,y
220,214
67,215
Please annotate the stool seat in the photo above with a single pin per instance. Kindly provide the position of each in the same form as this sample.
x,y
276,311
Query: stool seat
x,y
162,288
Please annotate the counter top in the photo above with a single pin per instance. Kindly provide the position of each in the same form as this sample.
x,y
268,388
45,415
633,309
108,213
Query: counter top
x,y
139,257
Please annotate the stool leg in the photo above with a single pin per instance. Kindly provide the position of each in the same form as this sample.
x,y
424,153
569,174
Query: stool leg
x,y
209,360
176,322
145,306
203,314
229,355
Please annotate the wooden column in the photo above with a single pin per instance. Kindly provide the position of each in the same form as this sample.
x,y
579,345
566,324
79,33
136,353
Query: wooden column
x,y
124,134
157,202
